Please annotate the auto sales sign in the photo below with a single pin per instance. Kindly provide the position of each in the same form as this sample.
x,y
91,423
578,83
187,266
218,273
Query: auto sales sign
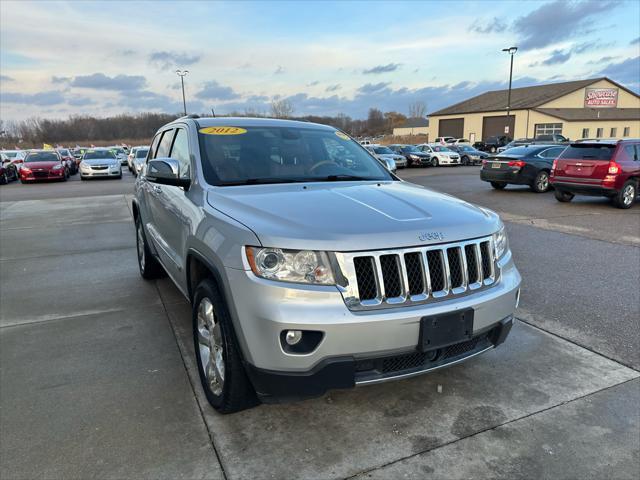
x,y
601,97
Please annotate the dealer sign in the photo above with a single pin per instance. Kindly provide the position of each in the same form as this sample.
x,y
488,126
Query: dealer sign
x,y
601,97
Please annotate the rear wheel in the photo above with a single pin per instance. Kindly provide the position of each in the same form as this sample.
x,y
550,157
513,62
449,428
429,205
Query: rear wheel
x,y
498,185
563,197
4,179
626,196
465,160
149,266
222,374
541,182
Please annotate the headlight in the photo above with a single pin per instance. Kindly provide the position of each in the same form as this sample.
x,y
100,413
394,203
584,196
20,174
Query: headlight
x,y
500,242
57,167
299,266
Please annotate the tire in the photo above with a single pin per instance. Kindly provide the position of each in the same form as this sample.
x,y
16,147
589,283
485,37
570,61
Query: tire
x,y
82,177
541,182
222,375
435,162
498,185
563,196
626,196
465,160
148,265
4,179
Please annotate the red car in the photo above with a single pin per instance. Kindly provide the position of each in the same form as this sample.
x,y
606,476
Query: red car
x,y
43,165
608,168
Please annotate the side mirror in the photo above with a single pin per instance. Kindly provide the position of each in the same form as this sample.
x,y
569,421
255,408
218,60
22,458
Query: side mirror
x,y
165,171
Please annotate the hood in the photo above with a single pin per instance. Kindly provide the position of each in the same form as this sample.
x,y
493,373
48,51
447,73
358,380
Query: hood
x,y
419,154
101,161
389,156
351,216
36,165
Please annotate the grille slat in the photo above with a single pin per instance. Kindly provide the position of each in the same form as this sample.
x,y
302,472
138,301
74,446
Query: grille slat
x,y
398,277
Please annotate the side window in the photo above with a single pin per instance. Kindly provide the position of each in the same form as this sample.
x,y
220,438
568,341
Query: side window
x,y
154,146
552,153
180,152
165,144
629,152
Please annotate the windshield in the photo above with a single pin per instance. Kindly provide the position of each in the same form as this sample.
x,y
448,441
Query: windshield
x,y
141,153
589,152
383,150
410,148
95,154
466,149
518,151
11,154
438,148
281,154
63,151
117,150
42,157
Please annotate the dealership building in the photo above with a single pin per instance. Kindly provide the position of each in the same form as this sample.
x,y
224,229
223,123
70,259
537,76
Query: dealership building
x,y
594,108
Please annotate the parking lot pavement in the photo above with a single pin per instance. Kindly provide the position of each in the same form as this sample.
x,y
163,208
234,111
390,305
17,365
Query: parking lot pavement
x,y
97,375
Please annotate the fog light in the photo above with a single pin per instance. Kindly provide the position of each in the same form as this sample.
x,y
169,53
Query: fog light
x,y
293,336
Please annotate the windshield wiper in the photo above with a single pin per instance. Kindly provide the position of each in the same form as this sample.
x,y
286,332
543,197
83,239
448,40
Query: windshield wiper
x,y
340,178
259,181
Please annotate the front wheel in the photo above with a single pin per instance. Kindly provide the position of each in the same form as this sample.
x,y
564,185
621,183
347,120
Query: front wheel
x,y
435,162
626,196
563,197
541,182
4,179
465,160
222,374
498,185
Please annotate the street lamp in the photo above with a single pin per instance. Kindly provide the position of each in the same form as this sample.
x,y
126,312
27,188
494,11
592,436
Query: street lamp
x,y
182,74
511,51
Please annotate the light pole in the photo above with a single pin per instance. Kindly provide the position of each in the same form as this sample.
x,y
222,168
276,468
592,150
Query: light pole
x,y
511,51
182,74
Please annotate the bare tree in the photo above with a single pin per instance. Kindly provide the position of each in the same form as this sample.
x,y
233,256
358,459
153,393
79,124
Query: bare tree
x,y
417,109
281,108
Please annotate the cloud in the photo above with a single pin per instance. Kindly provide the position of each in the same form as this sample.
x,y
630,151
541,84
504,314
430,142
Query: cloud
x,y
333,88
605,59
55,79
626,72
390,67
80,101
6,78
127,52
557,57
279,70
214,91
166,60
558,20
635,41
100,81
145,100
494,25
52,97
313,84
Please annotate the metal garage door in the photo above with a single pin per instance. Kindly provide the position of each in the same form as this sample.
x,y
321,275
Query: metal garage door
x,y
495,126
452,127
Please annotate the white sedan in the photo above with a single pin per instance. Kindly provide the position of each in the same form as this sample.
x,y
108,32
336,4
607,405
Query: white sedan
x,y
440,154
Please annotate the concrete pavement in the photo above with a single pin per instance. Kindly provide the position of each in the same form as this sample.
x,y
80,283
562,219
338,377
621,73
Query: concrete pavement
x,y
97,375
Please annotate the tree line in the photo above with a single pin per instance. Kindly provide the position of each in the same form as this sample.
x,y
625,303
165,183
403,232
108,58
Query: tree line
x,y
84,129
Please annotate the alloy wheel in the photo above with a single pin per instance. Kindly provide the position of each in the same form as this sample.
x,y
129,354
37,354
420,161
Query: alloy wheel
x,y
140,247
210,346
543,182
628,194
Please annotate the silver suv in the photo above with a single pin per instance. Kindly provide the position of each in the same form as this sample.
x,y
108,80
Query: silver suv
x,y
309,265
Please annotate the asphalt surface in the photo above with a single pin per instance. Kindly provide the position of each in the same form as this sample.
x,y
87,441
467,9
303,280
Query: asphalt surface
x,y
97,374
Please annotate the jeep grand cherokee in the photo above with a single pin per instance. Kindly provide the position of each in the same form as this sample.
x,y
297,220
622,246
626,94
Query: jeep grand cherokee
x,y
311,267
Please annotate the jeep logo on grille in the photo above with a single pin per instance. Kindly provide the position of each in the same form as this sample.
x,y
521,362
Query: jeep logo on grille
x,y
429,236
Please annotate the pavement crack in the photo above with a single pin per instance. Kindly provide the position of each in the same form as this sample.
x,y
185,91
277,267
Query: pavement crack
x,y
489,429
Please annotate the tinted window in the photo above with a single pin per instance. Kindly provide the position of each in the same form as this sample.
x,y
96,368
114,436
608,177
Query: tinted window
x,y
154,145
64,152
165,144
94,154
180,152
277,154
382,150
42,157
551,152
410,148
521,151
588,152
141,153
629,152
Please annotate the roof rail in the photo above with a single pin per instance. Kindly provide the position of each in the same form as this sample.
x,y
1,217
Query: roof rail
x,y
191,115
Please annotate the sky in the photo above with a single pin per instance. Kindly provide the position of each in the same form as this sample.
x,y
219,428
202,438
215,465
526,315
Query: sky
x,y
105,58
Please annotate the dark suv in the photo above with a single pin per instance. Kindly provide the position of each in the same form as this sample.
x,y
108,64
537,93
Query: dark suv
x,y
609,168
492,144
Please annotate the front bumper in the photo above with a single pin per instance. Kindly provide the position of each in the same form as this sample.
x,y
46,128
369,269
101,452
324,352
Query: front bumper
x,y
264,309
91,173
449,160
42,175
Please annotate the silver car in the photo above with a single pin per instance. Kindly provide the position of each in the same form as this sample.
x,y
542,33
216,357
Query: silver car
x,y
385,153
100,163
309,266
139,159
120,154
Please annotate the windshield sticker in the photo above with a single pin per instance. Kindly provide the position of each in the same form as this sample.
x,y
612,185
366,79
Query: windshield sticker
x,y
343,136
222,131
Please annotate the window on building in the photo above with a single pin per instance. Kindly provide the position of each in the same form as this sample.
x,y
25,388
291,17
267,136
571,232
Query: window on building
x,y
614,132
547,128
599,132
626,132
585,133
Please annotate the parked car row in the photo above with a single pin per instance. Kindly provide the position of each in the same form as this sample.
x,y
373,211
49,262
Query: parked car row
x,y
602,167
136,158
436,154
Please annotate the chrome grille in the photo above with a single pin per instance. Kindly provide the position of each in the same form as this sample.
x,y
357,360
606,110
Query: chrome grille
x,y
383,279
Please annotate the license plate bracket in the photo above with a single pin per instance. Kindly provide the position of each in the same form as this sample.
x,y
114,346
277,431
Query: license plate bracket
x,y
438,331
495,165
